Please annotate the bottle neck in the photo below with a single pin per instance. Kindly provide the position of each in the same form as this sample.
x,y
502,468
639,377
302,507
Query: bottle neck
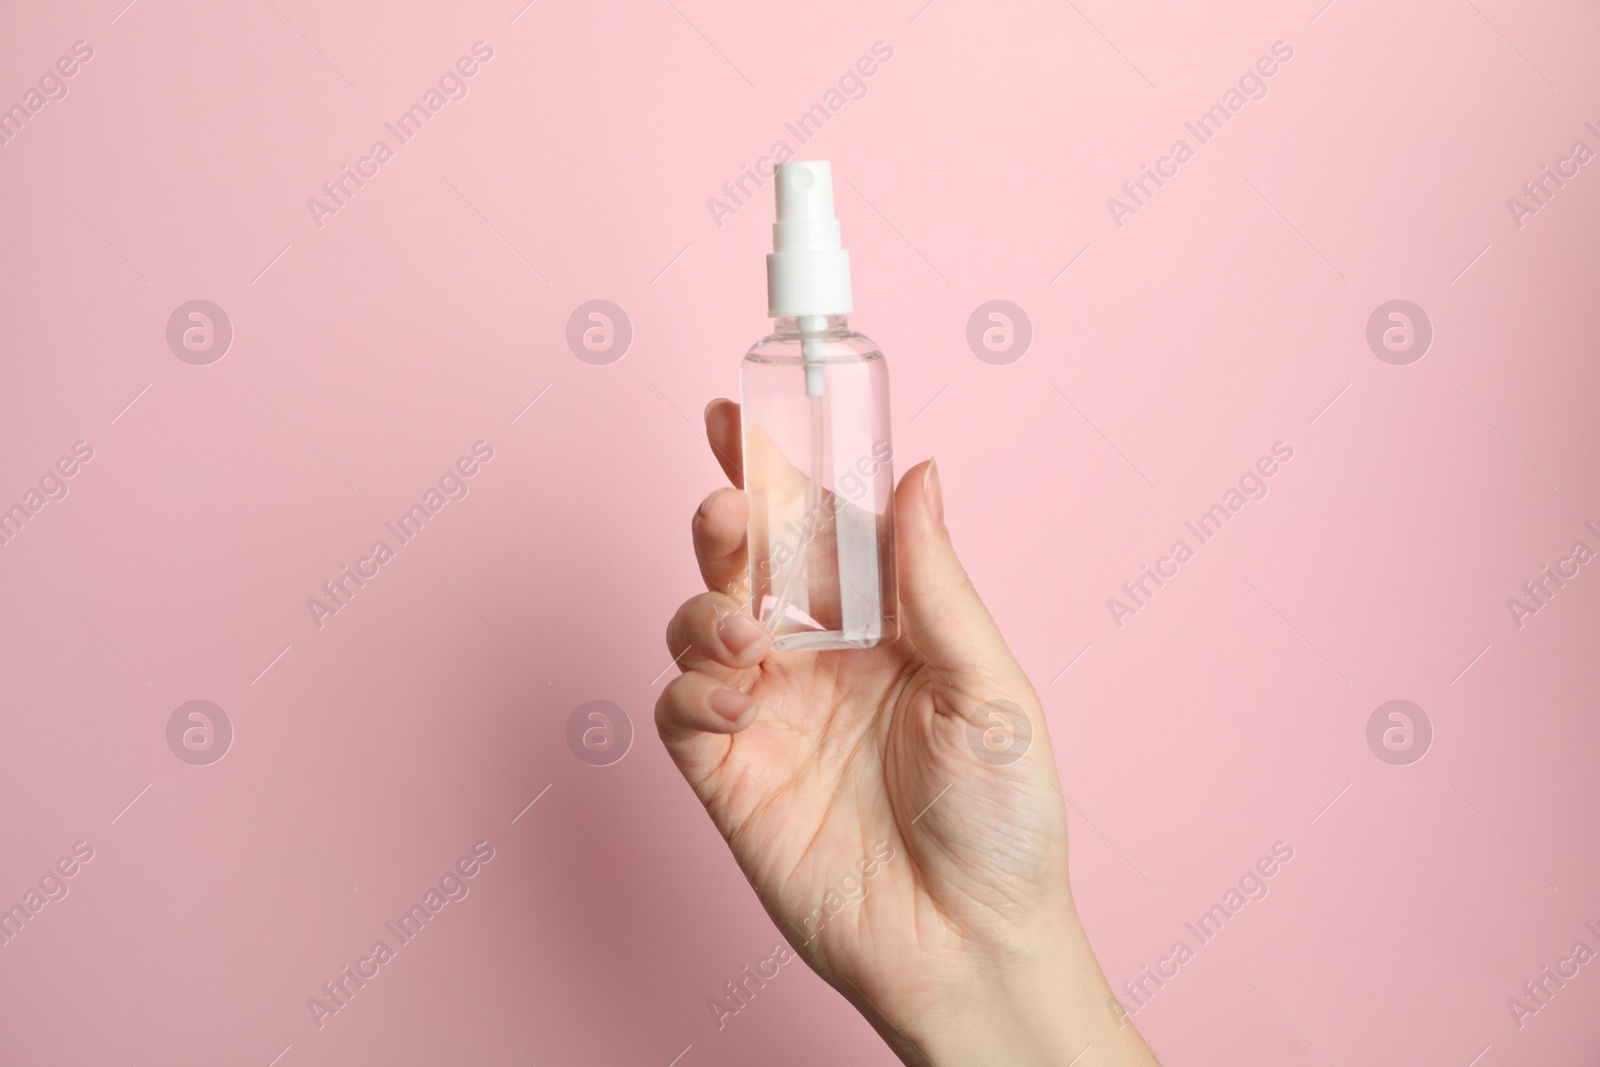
x,y
811,326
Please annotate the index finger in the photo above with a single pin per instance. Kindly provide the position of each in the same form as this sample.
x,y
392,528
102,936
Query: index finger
x,y
722,431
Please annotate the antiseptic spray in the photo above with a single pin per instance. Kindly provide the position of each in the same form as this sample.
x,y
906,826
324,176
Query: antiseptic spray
x,y
818,460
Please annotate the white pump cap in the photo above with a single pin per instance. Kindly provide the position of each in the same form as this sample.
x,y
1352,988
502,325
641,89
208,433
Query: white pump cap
x,y
808,272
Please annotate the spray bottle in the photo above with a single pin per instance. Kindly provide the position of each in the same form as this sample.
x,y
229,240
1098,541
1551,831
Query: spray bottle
x,y
818,458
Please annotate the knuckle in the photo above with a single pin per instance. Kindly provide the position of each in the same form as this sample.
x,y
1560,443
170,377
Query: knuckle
x,y
678,626
665,704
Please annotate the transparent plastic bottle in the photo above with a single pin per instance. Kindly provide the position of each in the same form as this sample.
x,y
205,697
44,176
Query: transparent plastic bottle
x,y
818,454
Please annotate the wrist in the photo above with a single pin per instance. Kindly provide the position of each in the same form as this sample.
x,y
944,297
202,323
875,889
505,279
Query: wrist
x,y
1022,1008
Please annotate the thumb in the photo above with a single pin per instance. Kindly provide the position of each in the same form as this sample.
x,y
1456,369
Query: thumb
x,y
940,610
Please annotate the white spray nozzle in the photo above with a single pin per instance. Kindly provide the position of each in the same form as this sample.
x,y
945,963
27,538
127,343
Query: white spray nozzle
x,y
808,270
805,190
805,209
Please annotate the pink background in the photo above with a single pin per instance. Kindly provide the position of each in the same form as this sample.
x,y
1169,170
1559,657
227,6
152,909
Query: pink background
x,y
425,315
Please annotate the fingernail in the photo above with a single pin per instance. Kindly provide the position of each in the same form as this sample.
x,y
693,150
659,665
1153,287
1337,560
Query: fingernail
x,y
705,505
930,489
730,703
739,631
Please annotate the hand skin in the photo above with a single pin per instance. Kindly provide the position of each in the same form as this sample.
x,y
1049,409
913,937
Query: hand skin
x,y
966,947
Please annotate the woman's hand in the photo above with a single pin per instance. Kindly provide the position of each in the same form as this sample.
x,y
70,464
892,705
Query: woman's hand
x,y
896,808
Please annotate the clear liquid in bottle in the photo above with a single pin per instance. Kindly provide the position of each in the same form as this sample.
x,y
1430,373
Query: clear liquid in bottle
x,y
819,474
